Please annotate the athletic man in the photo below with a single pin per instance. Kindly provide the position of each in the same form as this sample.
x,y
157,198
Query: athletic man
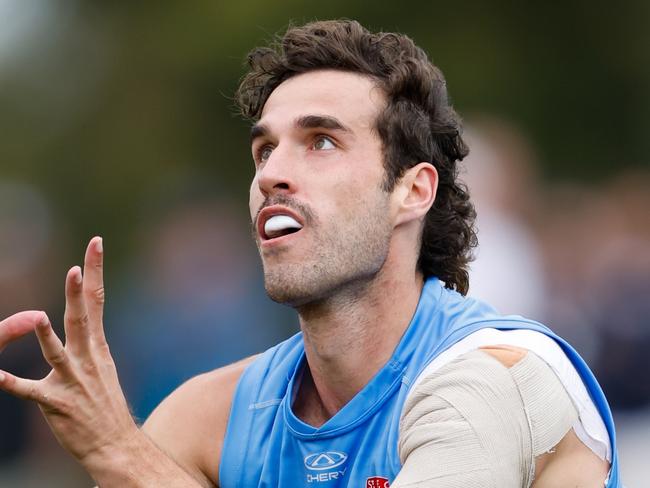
x,y
396,378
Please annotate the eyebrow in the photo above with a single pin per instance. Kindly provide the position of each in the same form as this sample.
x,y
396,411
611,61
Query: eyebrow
x,y
305,122
321,122
258,130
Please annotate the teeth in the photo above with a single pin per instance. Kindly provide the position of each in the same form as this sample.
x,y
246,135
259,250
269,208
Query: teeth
x,y
278,224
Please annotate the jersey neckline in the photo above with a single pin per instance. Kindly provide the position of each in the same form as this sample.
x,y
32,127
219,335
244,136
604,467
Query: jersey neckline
x,y
384,384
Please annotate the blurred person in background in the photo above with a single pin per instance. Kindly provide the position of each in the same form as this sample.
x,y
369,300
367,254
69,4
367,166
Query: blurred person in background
x,y
620,286
500,171
597,245
368,300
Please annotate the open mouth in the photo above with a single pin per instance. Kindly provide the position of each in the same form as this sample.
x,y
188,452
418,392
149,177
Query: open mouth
x,y
274,223
280,225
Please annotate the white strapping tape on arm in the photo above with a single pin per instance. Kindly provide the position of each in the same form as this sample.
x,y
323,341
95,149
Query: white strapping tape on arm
x,y
589,428
475,423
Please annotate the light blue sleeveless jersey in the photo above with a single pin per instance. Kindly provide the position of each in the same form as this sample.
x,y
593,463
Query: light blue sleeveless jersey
x,y
266,445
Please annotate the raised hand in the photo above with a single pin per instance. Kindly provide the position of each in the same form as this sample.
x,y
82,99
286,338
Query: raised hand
x,y
80,398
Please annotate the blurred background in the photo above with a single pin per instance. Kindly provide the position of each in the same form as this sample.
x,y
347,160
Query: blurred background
x,y
116,118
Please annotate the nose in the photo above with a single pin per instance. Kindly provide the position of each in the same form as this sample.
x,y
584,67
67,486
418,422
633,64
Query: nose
x,y
276,175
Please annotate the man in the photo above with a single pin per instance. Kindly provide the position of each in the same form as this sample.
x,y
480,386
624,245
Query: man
x,y
396,378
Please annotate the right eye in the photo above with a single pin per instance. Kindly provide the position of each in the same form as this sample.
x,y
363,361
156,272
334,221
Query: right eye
x,y
263,153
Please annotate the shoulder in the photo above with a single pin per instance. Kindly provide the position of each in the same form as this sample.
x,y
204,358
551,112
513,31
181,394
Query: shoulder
x,y
190,424
502,396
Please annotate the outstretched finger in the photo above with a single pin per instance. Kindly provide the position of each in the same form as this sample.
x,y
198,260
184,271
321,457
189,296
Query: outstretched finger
x,y
18,325
76,319
22,388
93,284
52,348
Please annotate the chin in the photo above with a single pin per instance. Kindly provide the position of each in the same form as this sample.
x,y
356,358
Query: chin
x,y
288,290
303,286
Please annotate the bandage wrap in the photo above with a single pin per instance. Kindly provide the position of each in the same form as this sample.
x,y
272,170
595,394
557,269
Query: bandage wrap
x,y
475,423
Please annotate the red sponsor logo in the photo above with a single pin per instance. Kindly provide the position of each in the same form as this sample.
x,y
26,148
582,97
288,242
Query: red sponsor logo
x,y
377,482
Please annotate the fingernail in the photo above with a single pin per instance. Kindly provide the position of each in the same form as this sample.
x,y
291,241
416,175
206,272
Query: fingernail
x,y
44,322
77,276
99,245
2,377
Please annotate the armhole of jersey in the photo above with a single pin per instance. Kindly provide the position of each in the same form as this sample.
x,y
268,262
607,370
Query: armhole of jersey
x,y
233,450
589,428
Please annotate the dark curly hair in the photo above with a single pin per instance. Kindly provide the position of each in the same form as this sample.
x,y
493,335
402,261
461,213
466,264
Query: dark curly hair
x,y
418,123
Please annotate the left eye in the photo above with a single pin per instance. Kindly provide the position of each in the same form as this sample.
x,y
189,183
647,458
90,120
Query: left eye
x,y
323,143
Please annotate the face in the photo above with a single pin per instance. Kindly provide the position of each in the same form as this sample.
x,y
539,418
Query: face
x,y
320,217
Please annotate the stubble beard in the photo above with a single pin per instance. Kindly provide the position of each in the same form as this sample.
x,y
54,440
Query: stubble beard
x,y
343,259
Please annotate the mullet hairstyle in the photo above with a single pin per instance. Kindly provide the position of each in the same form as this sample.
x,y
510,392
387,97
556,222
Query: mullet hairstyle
x,y
417,125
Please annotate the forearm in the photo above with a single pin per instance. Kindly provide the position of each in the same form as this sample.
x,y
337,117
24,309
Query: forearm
x,y
138,464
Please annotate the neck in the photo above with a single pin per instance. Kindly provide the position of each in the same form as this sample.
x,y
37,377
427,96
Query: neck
x,y
349,337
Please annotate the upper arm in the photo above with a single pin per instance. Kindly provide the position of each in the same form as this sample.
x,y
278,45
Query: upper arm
x,y
570,462
190,424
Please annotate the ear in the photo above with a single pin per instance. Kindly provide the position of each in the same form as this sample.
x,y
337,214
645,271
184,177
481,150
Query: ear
x,y
416,192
